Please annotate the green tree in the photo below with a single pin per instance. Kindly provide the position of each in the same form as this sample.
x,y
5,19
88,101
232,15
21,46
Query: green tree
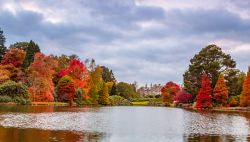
x,y
31,50
96,84
104,95
234,80
126,90
211,61
108,76
2,47
20,45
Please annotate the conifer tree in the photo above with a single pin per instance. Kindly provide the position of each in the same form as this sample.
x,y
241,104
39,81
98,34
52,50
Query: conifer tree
x,y
220,92
204,95
31,50
245,95
2,47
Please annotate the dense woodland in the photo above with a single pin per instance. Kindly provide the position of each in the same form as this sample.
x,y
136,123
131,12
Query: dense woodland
x,y
27,75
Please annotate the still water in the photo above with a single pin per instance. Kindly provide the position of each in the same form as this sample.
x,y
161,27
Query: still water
x,y
119,124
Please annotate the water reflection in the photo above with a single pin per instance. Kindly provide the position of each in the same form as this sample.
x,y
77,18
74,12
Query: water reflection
x,y
120,124
37,135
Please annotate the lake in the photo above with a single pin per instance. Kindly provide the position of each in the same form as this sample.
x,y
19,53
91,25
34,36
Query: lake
x,y
119,124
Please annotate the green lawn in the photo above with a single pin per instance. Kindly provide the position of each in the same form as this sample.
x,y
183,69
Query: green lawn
x,y
143,103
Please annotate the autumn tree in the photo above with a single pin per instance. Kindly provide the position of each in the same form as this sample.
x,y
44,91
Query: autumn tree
x,y
65,89
14,56
96,84
220,92
245,95
79,73
40,74
2,46
169,91
104,95
14,73
204,95
4,75
210,60
31,50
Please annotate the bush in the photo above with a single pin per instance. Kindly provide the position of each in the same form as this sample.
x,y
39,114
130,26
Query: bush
x,y
5,99
234,101
116,100
13,89
183,97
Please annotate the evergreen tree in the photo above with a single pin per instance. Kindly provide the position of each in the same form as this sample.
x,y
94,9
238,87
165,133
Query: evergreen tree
x,y
204,95
220,93
2,47
245,95
31,50
211,61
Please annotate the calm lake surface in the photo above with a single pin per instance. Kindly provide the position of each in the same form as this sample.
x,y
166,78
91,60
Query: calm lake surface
x,y
119,124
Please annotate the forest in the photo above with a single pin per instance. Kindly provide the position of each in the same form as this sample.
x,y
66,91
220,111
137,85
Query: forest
x,y
27,75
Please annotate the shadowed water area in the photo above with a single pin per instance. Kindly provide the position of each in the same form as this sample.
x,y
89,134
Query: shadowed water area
x,y
119,124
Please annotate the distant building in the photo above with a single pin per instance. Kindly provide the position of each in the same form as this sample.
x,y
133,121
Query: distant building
x,y
152,90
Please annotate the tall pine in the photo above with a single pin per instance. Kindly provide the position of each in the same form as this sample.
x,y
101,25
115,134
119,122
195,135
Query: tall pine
x,y
220,93
204,95
2,47
245,95
31,50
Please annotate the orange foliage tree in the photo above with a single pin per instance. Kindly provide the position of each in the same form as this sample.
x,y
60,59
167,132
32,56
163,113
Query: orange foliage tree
x,y
40,74
220,93
79,73
65,89
245,95
169,91
14,56
204,95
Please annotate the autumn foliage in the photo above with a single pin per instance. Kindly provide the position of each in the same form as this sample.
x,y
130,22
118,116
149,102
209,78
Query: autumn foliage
x,y
245,95
220,93
169,91
40,73
204,95
14,57
65,89
79,73
183,97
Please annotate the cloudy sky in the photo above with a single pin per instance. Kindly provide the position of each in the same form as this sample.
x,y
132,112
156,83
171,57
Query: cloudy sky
x,y
148,41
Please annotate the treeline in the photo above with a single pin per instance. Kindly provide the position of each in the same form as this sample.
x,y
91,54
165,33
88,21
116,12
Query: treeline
x,y
27,75
212,80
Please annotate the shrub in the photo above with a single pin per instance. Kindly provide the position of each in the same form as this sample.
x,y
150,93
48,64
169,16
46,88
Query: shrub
x,y
234,101
183,97
13,89
5,99
116,100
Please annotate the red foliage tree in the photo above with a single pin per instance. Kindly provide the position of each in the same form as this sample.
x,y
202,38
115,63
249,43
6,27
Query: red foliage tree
x,y
220,93
169,91
40,74
14,56
79,73
66,89
204,95
245,95
183,97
